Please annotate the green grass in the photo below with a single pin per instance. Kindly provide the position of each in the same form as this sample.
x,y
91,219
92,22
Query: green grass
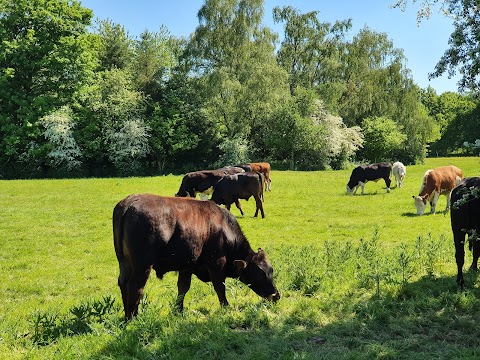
x,y
360,276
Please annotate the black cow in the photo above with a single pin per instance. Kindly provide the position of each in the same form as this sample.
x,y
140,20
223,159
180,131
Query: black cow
x,y
465,219
373,172
188,236
231,188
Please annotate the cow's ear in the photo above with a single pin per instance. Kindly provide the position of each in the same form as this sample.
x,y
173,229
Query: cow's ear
x,y
413,196
424,201
240,264
260,254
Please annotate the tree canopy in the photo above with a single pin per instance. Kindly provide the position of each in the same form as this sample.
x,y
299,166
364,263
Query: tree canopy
x,y
83,98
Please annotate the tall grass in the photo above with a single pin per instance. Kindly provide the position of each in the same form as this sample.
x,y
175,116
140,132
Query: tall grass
x,y
360,276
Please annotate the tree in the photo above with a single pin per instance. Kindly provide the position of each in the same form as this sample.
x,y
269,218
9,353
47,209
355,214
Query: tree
x,y
244,83
64,151
45,60
383,139
463,55
115,45
309,50
154,59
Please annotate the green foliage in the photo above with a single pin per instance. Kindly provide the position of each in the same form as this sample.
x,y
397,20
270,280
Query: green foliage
x,y
37,80
115,50
383,139
462,54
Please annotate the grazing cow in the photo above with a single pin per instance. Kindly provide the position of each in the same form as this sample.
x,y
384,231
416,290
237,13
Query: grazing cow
x,y
188,236
399,171
373,172
465,219
201,182
436,182
231,188
264,168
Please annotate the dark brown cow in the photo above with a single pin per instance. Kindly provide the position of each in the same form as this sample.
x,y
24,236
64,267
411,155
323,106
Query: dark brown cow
x,y
240,186
465,219
188,236
202,182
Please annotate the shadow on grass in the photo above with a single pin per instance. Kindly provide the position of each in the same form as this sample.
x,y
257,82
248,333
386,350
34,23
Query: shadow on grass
x,y
426,319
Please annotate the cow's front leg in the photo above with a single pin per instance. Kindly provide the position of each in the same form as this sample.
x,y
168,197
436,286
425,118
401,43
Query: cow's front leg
x,y
183,285
218,280
362,184
447,209
239,207
433,203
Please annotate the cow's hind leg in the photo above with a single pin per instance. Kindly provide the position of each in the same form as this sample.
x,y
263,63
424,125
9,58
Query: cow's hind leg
x,y
388,182
183,285
123,278
259,206
475,250
459,240
135,285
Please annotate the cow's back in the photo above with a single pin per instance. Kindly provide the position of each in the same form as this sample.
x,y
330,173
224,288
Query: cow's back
x,y
177,231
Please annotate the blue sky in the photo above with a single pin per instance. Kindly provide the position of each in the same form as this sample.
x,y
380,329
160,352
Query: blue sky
x,y
423,46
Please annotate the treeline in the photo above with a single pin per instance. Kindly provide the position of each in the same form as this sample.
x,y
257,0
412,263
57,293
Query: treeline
x,y
80,97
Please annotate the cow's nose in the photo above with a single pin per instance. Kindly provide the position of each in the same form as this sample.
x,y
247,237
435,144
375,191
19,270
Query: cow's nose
x,y
274,297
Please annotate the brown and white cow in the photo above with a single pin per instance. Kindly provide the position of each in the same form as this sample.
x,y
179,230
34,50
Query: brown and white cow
x,y
436,182
185,235
465,219
231,188
373,172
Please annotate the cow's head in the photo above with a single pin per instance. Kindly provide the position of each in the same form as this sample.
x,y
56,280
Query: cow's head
x,y
350,189
257,273
420,204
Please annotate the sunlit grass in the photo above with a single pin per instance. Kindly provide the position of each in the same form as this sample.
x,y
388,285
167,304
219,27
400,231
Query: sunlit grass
x,y
57,253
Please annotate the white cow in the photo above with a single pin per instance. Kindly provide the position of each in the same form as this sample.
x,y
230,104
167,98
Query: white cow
x,y
399,171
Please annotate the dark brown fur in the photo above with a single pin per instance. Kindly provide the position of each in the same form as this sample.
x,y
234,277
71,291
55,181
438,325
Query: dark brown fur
x,y
240,186
188,236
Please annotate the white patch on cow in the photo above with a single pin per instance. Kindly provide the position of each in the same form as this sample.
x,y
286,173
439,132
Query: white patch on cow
x,y
204,194
419,205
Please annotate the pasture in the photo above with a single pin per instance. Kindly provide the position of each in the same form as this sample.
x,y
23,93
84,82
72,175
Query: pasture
x,y
361,277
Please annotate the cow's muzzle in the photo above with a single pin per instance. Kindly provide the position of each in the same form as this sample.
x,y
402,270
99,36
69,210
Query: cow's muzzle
x,y
274,297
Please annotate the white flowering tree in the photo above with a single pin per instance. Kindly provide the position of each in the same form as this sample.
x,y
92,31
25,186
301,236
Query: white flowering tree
x,y
128,144
64,151
340,142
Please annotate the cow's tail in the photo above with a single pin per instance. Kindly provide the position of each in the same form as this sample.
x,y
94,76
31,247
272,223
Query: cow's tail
x,y
261,178
118,241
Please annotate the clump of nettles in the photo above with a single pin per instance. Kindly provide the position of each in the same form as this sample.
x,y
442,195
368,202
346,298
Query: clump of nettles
x,y
468,194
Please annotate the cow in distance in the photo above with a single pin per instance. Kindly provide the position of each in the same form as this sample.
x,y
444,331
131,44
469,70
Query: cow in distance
x,y
436,182
365,173
231,188
399,171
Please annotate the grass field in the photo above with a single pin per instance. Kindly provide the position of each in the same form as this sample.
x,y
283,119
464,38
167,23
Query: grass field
x,y
361,277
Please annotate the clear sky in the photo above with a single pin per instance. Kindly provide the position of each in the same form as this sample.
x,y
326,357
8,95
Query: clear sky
x,y
422,45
